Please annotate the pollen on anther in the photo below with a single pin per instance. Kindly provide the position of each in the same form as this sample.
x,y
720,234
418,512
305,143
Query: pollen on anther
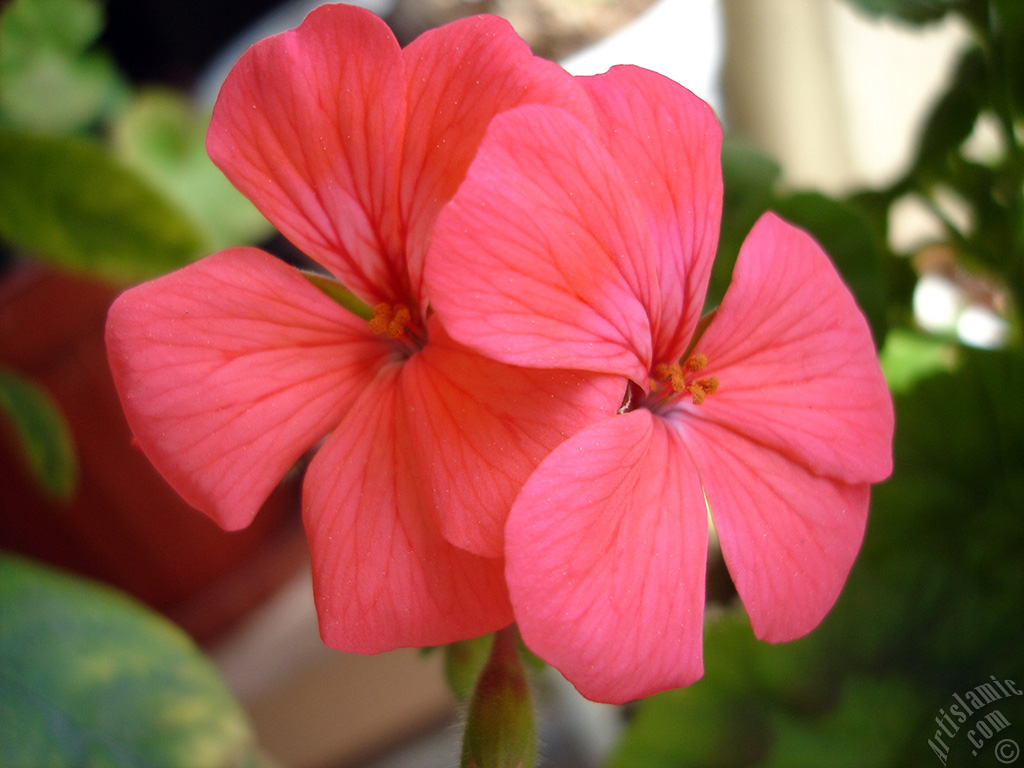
x,y
701,388
381,319
673,374
399,322
696,362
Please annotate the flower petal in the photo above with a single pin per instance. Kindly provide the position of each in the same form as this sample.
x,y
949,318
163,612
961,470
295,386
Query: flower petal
x,y
383,576
459,77
229,369
541,259
308,125
796,365
606,549
788,537
676,173
482,427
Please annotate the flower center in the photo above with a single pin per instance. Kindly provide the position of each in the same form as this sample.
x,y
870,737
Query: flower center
x,y
396,322
667,381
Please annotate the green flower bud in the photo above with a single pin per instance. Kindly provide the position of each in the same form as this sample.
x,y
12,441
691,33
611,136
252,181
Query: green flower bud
x,y
499,726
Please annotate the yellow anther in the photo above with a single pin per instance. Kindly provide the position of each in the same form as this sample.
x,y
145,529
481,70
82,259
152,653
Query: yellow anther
x,y
698,394
672,374
709,385
390,320
381,318
701,388
398,323
697,362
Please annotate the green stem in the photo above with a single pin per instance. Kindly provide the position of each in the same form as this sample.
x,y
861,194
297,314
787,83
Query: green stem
x,y
1000,85
340,294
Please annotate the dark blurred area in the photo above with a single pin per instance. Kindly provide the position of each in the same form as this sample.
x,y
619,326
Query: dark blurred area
x,y
171,42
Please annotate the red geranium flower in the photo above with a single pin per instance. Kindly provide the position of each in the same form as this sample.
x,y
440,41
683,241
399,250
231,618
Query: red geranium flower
x,y
230,369
586,243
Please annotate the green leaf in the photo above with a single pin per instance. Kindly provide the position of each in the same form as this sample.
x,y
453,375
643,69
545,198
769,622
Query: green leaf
x,y
45,438
463,662
90,678
909,357
163,136
867,729
726,718
68,201
1007,23
49,80
64,25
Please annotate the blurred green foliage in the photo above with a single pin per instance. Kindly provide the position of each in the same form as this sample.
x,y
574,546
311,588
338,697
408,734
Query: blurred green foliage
x,y
64,198
99,178
90,678
161,135
51,77
42,431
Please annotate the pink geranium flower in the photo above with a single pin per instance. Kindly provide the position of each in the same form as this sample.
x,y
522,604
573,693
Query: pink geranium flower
x,y
230,369
771,415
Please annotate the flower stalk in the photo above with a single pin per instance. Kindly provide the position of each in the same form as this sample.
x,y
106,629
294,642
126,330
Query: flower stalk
x,y
500,730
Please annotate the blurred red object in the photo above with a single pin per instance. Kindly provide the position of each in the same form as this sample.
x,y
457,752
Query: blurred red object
x,y
124,525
